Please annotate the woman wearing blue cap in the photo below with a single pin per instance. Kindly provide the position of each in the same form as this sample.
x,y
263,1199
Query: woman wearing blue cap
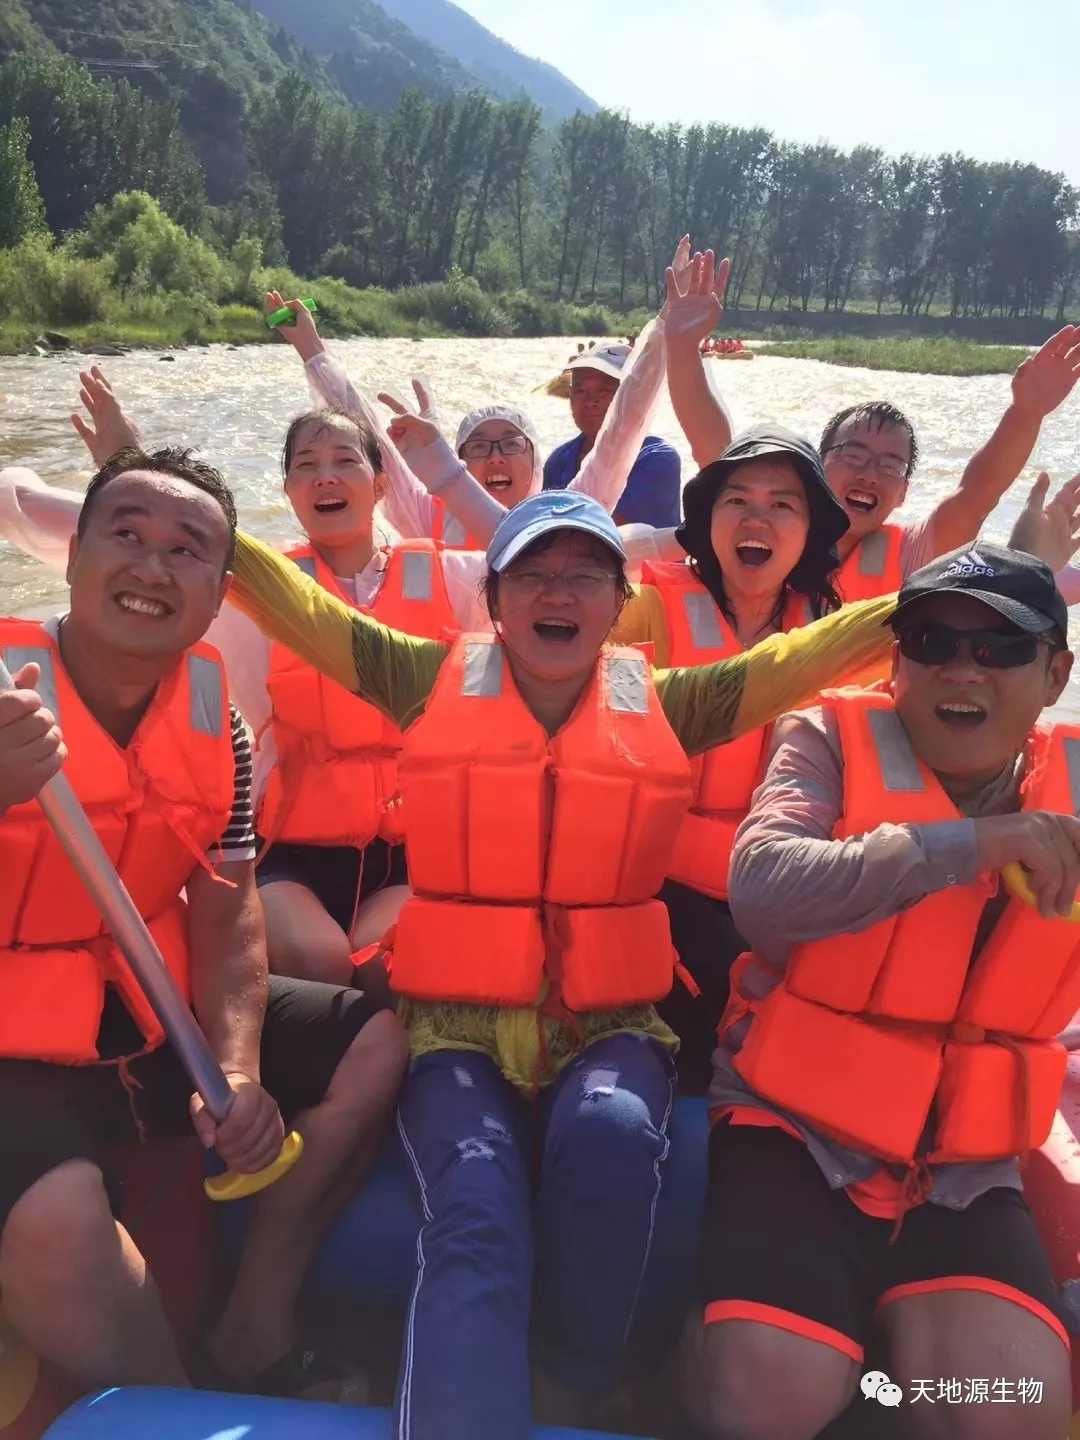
x,y
546,776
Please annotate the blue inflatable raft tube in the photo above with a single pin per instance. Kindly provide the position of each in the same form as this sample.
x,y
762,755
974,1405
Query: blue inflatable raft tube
x,y
146,1414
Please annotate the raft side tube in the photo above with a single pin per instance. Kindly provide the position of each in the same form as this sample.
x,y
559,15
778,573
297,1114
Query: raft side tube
x,y
201,1415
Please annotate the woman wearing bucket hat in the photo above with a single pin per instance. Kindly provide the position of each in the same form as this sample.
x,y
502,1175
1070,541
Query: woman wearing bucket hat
x,y
546,776
760,534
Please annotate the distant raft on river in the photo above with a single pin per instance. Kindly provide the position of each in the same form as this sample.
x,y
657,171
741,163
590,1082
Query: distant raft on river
x,y
559,385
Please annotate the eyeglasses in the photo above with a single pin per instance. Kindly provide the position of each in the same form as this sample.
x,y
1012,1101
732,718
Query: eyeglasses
x,y
481,449
937,644
581,583
857,457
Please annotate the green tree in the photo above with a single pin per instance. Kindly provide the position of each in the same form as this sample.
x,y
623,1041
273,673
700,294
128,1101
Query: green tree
x,y
90,139
22,210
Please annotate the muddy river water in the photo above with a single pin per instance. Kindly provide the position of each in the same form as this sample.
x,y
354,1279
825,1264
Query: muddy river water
x,y
233,405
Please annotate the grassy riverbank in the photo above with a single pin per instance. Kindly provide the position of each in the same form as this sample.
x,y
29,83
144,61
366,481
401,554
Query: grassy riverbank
x,y
135,278
918,354
171,321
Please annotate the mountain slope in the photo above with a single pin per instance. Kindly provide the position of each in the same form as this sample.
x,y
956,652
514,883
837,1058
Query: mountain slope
x,y
365,43
213,55
497,66
372,56
143,38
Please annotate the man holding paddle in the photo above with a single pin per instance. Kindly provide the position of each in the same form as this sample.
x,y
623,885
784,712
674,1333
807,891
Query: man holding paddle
x,y
123,695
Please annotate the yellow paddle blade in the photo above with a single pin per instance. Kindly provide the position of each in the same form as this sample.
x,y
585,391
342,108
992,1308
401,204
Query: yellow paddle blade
x,y
232,1186
559,387
1016,882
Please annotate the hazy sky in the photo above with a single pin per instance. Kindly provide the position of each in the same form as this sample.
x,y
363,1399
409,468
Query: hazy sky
x,y
994,78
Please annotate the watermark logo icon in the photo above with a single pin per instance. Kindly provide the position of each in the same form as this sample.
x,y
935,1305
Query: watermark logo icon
x,y
876,1385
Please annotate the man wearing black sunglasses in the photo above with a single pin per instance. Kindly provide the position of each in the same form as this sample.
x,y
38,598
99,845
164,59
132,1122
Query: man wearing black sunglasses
x,y
888,1053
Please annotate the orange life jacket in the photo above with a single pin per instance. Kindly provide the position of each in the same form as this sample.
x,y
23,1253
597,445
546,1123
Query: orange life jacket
x,y
536,857
873,567
157,807
450,532
725,777
894,1040
335,779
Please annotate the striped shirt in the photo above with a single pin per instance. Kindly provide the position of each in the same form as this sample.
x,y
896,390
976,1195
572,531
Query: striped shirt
x,y
238,842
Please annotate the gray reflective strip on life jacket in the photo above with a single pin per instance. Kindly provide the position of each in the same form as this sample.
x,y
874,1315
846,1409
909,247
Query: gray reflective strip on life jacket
x,y
483,671
628,690
807,615
704,620
205,686
874,553
417,581
896,759
1072,762
306,563
16,656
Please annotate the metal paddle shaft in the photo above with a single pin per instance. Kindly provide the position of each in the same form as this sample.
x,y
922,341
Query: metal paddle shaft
x,y
128,929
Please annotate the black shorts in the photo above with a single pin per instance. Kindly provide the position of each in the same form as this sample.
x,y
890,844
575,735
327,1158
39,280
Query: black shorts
x,y
708,944
783,1248
53,1113
339,876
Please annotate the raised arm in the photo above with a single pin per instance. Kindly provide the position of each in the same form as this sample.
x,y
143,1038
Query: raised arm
x,y
694,309
41,519
428,455
408,507
1042,383
392,671
38,518
606,468
1049,529
711,704
109,428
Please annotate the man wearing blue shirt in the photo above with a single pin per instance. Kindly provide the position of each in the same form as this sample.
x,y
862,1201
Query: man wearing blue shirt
x,y
654,486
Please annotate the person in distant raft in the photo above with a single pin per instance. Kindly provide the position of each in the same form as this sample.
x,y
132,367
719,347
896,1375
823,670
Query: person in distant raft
x,y
869,452
125,695
545,775
889,1048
